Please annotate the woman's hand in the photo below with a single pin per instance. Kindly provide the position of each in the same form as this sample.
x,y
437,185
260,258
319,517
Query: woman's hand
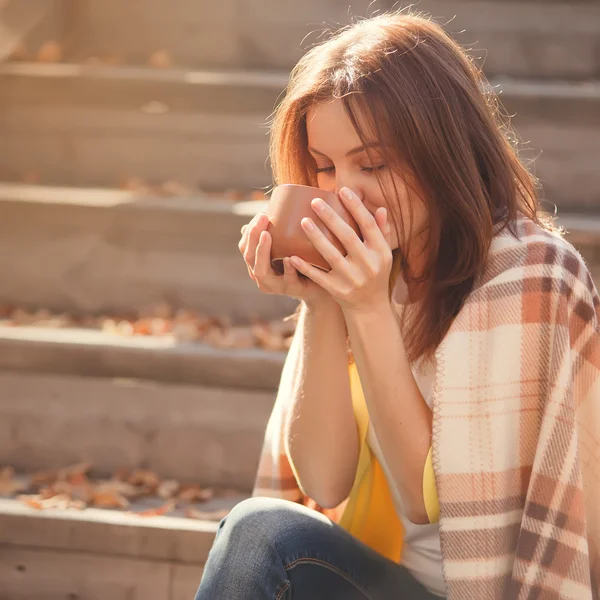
x,y
359,281
255,246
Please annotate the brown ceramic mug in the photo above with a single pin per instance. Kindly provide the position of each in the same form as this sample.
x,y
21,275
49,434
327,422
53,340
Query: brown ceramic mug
x,y
288,205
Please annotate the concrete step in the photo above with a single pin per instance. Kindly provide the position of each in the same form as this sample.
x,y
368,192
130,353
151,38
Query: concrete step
x,y
89,125
93,125
99,251
194,433
184,410
95,553
522,38
82,352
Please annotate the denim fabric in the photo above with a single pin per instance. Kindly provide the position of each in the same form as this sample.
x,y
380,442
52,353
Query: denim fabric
x,y
269,549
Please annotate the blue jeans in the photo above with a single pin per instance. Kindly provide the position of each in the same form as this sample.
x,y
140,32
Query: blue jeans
x,y
269,549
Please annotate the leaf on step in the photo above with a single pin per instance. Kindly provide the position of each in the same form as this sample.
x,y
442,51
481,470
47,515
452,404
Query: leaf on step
x,y
144,477
176,189
109,499
161,59
60,501
31,500
210,515
259,196
157,512
50,52
137,186
31,177
121,488
186,332
125,328
168,489
194,493
142,327
267,338
75,473
234,194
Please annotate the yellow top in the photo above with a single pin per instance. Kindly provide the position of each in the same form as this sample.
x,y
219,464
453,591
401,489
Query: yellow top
x,y
369,514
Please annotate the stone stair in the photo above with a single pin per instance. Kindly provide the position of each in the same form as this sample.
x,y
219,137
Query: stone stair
x,y
100,554
554,39
87,250
182,92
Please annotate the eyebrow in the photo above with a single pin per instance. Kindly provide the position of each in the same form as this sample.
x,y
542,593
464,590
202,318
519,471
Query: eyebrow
x,y
353,151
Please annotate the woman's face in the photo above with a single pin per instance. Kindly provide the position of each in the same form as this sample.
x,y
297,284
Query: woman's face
x,y
342,161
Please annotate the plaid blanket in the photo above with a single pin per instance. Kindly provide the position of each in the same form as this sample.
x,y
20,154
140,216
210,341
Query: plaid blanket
x,y
516,428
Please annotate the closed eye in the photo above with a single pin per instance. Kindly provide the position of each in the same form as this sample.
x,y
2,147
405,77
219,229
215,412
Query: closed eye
x,y
364,169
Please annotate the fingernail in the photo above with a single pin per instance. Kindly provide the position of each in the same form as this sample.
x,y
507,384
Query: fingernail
x,y
319,204
347,193
308,224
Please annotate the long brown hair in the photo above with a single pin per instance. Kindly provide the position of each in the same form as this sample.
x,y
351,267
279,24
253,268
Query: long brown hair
x,y
442,131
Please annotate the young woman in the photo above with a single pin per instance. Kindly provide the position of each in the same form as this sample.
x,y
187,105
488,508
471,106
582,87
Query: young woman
x,y
456,454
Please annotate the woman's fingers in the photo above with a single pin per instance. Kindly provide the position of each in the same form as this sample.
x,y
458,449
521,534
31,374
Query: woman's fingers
x,y
250,238
262,261
290,275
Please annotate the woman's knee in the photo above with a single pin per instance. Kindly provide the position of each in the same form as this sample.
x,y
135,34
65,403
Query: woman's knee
x,y
266,520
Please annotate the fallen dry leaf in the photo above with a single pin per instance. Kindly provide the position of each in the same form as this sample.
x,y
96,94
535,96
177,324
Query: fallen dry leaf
x,y
161,59
157,512
194,493
161,320
176,189
121,488
258,196
136,186
31,500
144,477
213,515
31,177
50,52
234,194
109,499
186,332
168,489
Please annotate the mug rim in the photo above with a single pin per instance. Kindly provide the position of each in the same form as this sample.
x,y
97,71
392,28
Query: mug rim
x,y
301,185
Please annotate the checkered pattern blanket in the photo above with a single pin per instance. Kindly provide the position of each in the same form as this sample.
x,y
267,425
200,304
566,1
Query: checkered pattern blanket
x,y
516,428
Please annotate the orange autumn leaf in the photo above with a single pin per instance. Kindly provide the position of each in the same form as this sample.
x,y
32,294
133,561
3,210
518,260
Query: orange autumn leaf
x,y
109,499
122,488
168,489
213,515
195,494
157,512
145,478
31,500
161,59
50,52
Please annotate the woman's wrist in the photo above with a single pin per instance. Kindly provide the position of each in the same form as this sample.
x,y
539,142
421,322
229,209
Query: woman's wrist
x,y
322,304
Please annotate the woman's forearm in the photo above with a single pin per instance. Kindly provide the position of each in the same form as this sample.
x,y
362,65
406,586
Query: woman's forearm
x,y
399,414
321,432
